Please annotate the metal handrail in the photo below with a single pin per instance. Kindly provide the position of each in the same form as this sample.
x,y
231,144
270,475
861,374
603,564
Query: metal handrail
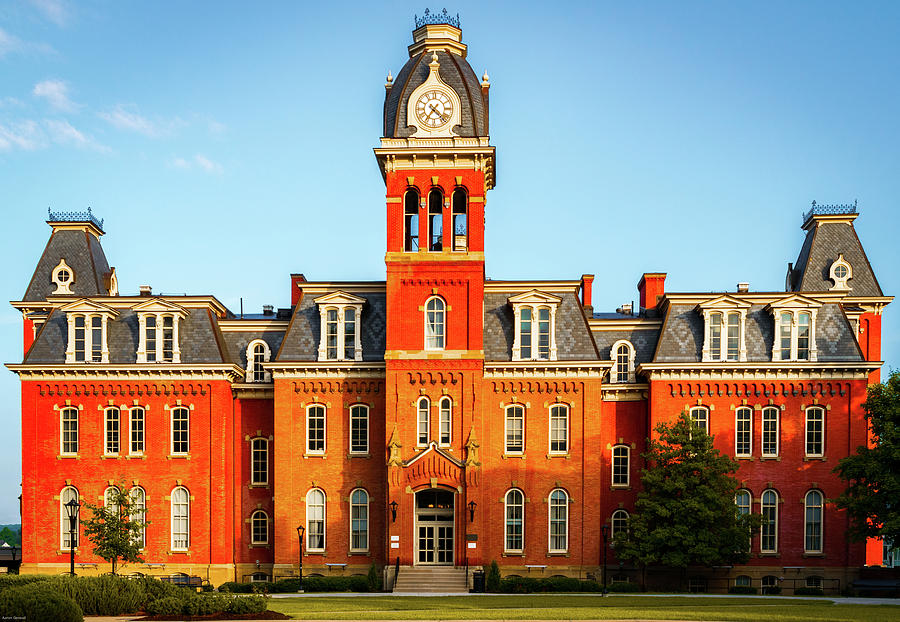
x,y
396,573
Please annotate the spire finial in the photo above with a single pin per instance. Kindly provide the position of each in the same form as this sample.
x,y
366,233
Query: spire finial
x,y
485,79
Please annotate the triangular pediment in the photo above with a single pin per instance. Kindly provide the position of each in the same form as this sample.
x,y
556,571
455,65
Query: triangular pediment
x,y
794,301
158,305
85,305
437,452
724,302
534,297
339,298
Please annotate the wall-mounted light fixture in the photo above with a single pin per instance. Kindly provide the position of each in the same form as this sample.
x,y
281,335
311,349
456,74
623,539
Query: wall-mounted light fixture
x,y
393,505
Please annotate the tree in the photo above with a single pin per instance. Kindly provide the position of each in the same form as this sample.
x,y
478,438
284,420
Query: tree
x,y
872,497
9,536
116,528
685,514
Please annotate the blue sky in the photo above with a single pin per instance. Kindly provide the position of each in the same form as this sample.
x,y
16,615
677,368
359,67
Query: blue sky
x,y
229,144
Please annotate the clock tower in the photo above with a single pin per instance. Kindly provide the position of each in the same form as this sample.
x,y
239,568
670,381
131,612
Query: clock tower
x,y
438,164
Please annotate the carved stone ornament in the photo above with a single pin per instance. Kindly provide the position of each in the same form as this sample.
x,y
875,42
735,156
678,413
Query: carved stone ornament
x,y
394,446
472,446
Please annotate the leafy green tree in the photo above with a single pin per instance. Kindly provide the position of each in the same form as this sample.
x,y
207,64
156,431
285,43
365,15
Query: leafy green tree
x,y
872,497
116,528
9,536
685,514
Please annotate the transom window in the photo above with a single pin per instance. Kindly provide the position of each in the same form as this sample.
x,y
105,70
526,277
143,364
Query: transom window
x,y
515,429
259,527
559,521
259,461
815,432
315,429
559,429
181,519
359,520
258,352
514,503
620,465
770,432
69,431
136,428
445,420
768,542
113,418
180,430
423,421
359,429
315,520
813,505
700,417
743,431
434,323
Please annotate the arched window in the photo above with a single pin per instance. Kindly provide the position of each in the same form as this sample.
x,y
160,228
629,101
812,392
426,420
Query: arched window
x,y
110,499
543,326
803,323
435,220
359,520
813,521
68,430
742,580
136,430
815,432
446,413
559,429
715,336
559,521
742,500
112,417
315,429
411,221
139,512
734,337
434,324
785,329
768,542
181,519
69,493
622,354
259,577
259,461
743,431
525,324
769,432
770,584
315,520
700,417
460,217
423,421
259,527
257,353
331,334
515,429
359,429
180,430
514,504
619,523
620,465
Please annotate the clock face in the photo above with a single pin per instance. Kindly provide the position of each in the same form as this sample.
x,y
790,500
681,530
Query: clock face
x,y
433,109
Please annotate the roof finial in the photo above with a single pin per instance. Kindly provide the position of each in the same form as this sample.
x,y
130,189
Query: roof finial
x,y
485,80
434,59
389,81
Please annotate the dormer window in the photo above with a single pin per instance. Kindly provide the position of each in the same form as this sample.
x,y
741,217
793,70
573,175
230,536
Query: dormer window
x,y
158,324
622,355
258,352
724,320
63,277
87,324
795,329
339,335
840,272
535,321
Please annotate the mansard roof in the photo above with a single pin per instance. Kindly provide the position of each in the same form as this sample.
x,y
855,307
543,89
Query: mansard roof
x,y
237,341
643,339
83,253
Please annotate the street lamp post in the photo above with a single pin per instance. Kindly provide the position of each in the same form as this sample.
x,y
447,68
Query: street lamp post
x,y
72,508
605,531
300,531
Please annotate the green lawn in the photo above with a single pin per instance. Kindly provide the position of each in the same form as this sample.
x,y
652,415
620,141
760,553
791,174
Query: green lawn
x,y
544,607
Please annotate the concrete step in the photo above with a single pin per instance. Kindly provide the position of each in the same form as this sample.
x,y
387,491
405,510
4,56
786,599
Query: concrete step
x,y
440,579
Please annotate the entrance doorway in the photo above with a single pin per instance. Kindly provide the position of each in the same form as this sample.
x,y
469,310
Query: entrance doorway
x,y
434,527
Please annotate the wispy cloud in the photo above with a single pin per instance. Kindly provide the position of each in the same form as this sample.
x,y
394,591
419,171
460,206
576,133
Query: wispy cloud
x,y
11,102
11,44
62,133
128,118
199,162
57,11
25,135
56,92
31,135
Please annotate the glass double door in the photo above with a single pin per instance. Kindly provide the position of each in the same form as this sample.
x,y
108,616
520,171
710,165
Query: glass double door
x,y
435,541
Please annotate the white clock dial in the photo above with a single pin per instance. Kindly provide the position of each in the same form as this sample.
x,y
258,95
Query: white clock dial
x,y
433,109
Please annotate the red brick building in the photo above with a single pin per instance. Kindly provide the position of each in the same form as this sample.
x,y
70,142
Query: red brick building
x,y
437,417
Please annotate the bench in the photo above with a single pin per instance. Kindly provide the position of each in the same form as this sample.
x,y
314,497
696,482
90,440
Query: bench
x,y
184,580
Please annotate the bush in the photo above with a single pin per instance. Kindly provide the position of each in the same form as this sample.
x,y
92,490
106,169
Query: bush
x,y
205,604
247,604
623,586
17,580
772,590
154,589
492,577
287,585
38,601
167,606
234,587
742,589
809,591
335,584
528,585
373,579
102,596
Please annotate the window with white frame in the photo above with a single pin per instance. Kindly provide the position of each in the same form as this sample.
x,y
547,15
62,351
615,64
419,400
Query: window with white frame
x,y
559,429
795,329
315,520
359,521
514,511
815,432
423,421
813,505
445,420
158,329
742,501
340,314
259,527
136,427
181,519
535,322
181,426
359,429
621,455
622,354
515,429
743,431
110,499
559,521
315,429
699,416
87,329
63,277
69,493
113,418
258,352
259,461
768,542
840,272
434,323
724,319
68,430
619,523
770,436
138,513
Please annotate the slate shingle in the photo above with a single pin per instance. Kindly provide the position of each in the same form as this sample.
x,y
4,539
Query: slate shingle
x,y
84,255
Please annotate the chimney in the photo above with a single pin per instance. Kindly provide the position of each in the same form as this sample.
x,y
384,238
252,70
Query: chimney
x,y
651,288
146,290
296,279
268,310
743,288
626,309
587,283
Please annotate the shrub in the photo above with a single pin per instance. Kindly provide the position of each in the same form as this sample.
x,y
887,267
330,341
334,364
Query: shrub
x,y
247,604
287,585
742,589
101,596
528,585
809,591
205,604
623,586
335,584
772,589
373,579
16,580
38,601
154,589
492,577
166,606
234,587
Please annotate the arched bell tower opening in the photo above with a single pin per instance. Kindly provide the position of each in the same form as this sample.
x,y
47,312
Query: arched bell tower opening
x,y
435,527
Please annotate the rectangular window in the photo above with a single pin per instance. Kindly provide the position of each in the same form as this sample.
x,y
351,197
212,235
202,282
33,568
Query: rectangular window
x,y
168,338
743,431
559,429
525,333
815,432
359,429
69,431
770,432
79,338
803,337
700,418
315,429
620,466
331,334
784,332
423,417
180,431
112,430
349,334
734,331
150,338
543,334
715,336
515,429
137,430
96,339
259,461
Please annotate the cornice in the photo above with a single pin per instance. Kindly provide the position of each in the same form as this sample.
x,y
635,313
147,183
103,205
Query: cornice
x,y
325,369
254,325
254,390
125,302
625,392
602,324
142,371
773,371
547,369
